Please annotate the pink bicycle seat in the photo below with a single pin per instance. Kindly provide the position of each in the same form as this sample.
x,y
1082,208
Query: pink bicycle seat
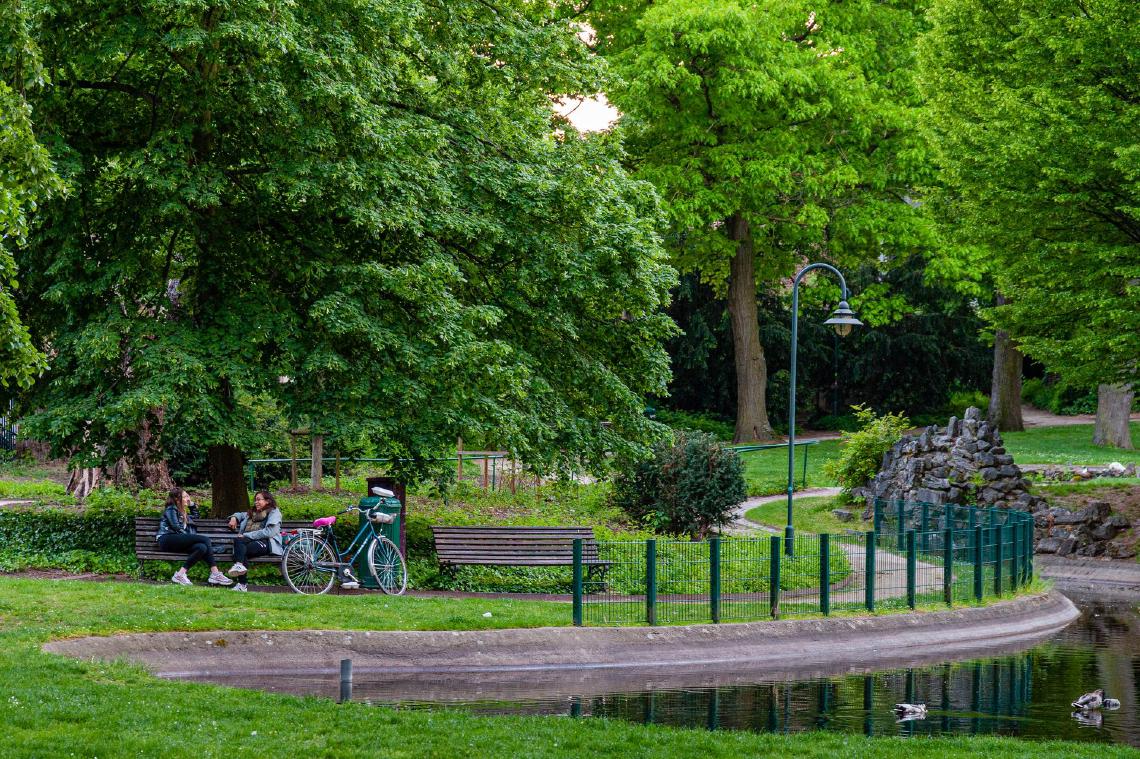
x,y
324,521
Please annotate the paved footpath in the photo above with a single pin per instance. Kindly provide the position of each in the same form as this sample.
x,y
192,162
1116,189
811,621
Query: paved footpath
x,y
890,567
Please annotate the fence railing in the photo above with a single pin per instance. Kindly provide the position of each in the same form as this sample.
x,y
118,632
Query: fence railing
x,y
917,554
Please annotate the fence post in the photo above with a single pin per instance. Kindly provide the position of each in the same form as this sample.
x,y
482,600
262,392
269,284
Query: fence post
x,y
1027,552
997,559
1014,535
869,569
806,449
901,514
926,528
774,576
651,582
911,568
714,579
979,543
973,523
825,573
577,582
948,566
878,523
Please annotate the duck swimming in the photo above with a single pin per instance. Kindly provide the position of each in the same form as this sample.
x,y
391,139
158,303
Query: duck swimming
x,y
907,712
1093,700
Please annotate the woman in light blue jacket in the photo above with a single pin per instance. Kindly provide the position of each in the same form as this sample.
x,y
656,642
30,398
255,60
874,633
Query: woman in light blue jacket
x,y
259,534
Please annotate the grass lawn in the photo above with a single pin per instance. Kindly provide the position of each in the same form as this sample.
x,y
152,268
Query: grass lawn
x,y
808,515
1066,445
53,706
766,472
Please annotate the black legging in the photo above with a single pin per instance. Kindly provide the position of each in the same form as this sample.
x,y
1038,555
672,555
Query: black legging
x,y
244,548
197,546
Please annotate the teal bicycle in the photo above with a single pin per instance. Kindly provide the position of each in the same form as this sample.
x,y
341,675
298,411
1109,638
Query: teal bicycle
x,y
312,561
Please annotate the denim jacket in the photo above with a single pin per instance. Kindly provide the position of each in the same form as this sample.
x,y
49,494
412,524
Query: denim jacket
x,y
270,532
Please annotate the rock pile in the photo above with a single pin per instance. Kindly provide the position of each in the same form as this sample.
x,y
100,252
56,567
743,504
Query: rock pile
x,y
965,462
1088,532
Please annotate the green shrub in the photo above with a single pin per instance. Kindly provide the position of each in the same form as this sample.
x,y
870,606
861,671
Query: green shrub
x,y
1059,397
689,486
37,489
862,451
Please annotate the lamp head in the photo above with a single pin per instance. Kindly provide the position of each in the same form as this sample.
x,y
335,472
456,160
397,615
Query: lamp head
x,y
843,319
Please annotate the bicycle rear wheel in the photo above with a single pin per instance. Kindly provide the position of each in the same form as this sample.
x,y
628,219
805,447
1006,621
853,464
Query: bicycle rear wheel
x,y
387,566
309,566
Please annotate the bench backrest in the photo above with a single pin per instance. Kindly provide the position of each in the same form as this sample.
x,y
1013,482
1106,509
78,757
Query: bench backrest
x,y
515,546
217,530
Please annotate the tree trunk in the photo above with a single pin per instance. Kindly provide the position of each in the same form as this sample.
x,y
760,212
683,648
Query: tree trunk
x,y
751,369
1113,404
227,481
316,467
149,465
1005,389
81,482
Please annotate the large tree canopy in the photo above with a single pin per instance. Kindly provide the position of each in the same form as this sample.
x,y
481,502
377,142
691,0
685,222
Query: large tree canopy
x,y
1036,110
775,137
356,209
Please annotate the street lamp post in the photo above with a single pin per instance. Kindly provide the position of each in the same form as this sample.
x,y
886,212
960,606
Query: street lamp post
x,y
843,320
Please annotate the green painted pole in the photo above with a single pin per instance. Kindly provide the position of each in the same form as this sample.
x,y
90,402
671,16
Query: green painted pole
x,y
948,567
925,528
714,580
806,448
651,582
979,566
774,576
878,523
997,560
1027,553
900,513
973,523
577,582
825,574
869,570
911,568
1014,535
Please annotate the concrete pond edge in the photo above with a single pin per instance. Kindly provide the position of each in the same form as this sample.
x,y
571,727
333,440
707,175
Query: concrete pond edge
x,y
739,651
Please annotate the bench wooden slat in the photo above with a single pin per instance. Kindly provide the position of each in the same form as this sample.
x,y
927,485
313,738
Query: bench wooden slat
x,y
217,530
515,546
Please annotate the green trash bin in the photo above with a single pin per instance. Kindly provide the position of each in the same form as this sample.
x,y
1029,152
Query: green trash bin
x,y
370,505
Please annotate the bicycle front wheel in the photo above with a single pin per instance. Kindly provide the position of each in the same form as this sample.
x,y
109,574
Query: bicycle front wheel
x,y
309,566
387,566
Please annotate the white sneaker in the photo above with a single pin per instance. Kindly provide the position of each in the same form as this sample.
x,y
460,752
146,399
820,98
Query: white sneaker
x,y
240,588
217,578
237,569
180,578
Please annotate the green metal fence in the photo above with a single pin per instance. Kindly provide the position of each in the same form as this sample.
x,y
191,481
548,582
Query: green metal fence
x,y
916,553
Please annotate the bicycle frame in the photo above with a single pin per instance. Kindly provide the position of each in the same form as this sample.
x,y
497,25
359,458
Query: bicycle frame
x,y
365,535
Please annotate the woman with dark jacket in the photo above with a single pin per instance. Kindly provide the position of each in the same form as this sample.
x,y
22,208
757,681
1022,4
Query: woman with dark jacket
x,y
259,534
177,534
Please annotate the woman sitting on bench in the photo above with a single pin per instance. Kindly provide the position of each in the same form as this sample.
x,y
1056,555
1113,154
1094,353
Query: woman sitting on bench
x,y
177,534
259,534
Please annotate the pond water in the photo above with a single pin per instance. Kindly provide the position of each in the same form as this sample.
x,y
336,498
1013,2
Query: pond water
x,y
1025,694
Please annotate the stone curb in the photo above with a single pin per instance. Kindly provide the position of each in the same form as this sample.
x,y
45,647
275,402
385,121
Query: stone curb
x,y
833,645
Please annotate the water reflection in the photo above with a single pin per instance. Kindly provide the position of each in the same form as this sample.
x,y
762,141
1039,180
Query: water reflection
x,y
1027,694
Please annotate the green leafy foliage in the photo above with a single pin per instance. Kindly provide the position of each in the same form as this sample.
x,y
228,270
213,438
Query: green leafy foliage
x,y
358,215
1035,111
862,451
1058,396
26,176
689,487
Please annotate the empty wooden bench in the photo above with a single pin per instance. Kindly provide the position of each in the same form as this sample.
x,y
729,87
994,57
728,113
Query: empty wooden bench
x,y
217,530
517,546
